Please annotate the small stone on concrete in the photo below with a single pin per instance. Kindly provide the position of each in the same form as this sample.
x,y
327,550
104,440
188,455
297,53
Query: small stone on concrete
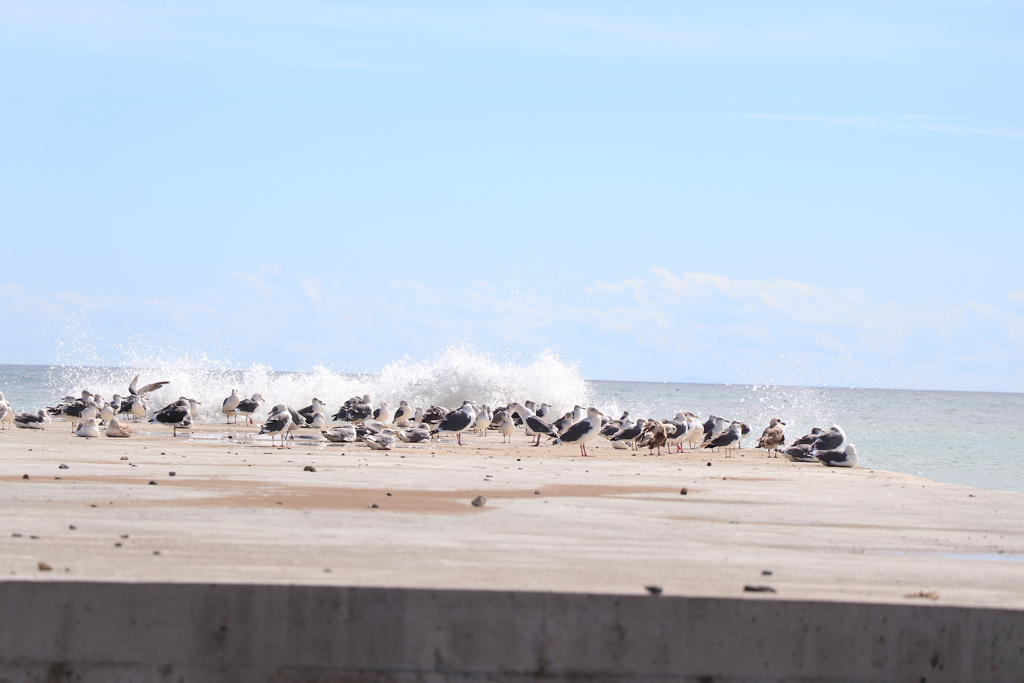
x,y
683,491
152,483
43,567
479,502
758,589
309,468
62,466
654,590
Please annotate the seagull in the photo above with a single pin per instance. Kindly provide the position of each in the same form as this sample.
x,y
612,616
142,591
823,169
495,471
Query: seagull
x,y
144,390
483,419
543,411
534,424
248,406
315,406
402,414
507,427
6,413
709,424
229,405
801,453
675,430
414,435
611,429
434,414
319,421
297,420
356,409
582,431
457,421
719,425
88,428
382,414
728,437
563,423
79,411
107,413
832,439
38,420
808,439
384,441
137,405
277,424
846,457
117,430
627,434
695,436
342,434
178,415
653,435
772,437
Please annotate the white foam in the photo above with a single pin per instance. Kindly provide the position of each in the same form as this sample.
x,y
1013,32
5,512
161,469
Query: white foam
x,y
457,374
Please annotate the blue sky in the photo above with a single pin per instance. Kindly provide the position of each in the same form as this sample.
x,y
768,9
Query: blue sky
x,y
816,193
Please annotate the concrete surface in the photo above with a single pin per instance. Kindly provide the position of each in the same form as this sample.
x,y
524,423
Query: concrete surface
x,y
93,554
114,632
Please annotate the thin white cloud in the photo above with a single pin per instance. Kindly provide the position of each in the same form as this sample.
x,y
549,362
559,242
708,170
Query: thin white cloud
x,y
1017,296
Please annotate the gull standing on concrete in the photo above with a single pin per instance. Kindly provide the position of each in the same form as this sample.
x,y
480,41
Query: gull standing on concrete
x,y
507,427
728,438
178,415
533,424
229,405
248,406
278,423
772,437
457,421
582,431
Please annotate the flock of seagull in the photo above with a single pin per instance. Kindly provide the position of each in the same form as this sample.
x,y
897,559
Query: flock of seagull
x,y
380,428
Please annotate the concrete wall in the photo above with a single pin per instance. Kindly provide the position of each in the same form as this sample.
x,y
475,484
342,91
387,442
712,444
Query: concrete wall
x,y
110,632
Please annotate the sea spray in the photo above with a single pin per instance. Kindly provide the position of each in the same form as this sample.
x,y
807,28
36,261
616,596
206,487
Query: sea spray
x,y
457,374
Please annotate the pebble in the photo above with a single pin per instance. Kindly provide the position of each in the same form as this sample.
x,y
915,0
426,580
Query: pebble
x,y
654,590
766,572
537,492
43,567
24,476
479,502
709,464
683,491
152,483
124,457
62,466
156,552
117,545
758,589
374,506
172,474
309,468
72,527
389,495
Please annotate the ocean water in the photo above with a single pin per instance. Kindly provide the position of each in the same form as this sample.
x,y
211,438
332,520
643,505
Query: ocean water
x,y
968,438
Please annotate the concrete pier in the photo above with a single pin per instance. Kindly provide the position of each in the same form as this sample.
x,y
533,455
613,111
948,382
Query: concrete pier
x,y
217,558
112,632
